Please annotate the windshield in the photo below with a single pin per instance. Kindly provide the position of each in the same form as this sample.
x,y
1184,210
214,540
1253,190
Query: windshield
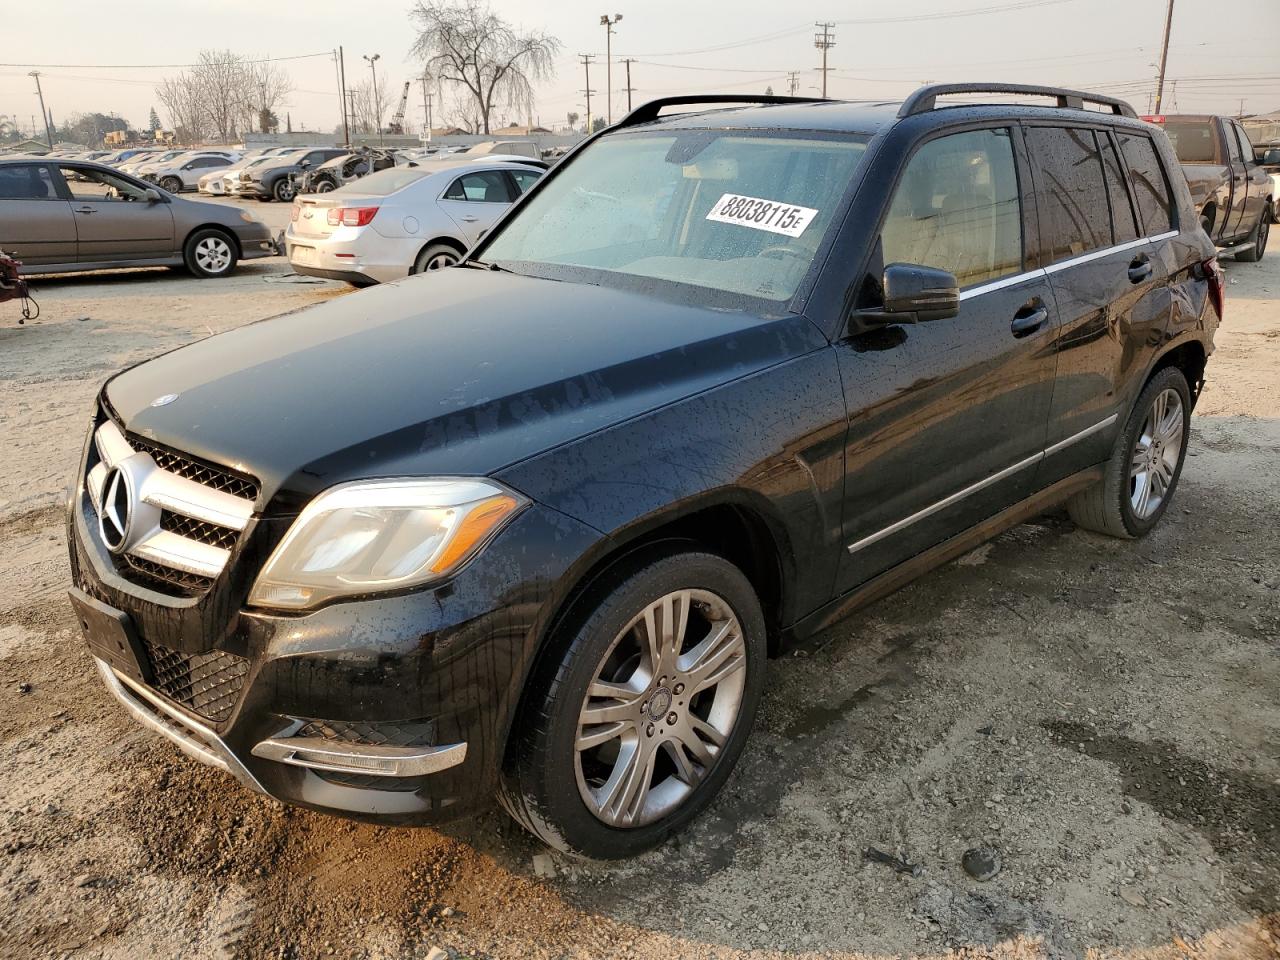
x,y
1192,140
384,182
732,212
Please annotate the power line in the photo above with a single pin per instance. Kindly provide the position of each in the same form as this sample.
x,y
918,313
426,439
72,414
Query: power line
x,y
152,66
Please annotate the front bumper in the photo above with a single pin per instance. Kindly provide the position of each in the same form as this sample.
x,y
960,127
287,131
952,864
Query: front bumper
x,y
323,697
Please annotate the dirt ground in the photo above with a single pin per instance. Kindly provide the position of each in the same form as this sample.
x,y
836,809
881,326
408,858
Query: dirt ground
x,y
1105,714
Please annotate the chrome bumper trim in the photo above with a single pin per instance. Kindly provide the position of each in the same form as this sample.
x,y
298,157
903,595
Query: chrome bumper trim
x,y
194,739
317,753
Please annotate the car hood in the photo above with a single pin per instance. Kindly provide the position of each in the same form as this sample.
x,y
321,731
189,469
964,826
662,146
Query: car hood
x,y
462,372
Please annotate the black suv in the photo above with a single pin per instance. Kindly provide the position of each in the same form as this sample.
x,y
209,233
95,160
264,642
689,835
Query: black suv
x,y
534,524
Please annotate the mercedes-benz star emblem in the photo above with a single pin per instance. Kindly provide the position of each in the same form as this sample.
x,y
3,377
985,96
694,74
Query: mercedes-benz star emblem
x,y
117,510
165,400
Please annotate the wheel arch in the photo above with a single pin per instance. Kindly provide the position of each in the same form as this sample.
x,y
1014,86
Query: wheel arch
x,y
446,239
737,525
221,228
1189,356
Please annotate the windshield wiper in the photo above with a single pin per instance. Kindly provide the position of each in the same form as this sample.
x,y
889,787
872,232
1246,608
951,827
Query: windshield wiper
x,y
485,265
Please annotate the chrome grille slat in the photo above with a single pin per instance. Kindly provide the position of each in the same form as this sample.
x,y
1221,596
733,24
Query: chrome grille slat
x,y
194,514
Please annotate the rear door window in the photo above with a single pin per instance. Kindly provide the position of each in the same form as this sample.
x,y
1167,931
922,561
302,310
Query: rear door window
x,y
487,187
957,208
1070,192
1122,218
27,182
1233,144
1242,136
1150,186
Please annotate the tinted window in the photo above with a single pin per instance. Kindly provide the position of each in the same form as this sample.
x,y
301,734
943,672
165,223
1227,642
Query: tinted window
x,y
1192,140
1069,192
1150,188
957,208
487,187
26,182
1122,218
525,179
1233,145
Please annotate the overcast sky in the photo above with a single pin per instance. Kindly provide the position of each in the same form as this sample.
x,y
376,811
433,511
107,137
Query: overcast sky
x,y
1222,51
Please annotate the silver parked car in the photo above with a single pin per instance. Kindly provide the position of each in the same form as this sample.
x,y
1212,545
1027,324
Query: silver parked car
x,y
402,220
60,216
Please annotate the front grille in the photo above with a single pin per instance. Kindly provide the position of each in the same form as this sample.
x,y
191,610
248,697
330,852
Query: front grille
x,y
203,511
205,474
201,530
207,684
166,580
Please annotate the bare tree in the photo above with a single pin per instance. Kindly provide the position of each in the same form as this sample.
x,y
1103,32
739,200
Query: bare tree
x,y
182,99
490,62
368,112
268,89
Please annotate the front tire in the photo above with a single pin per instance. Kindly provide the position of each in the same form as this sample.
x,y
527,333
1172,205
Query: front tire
x,y
633,726
172,184
1146,461
209,253
283,190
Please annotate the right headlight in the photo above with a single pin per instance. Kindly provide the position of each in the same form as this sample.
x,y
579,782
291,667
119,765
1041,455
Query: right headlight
x,y
373,536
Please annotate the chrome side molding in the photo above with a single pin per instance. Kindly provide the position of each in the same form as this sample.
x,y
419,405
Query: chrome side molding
x,y
317,753
982,484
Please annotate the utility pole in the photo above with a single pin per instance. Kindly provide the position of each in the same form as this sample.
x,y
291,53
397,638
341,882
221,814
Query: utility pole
x,y
377,107
824,41
1164,55
607,23
586,66
342,95
627,63
426,104
43,112
793,83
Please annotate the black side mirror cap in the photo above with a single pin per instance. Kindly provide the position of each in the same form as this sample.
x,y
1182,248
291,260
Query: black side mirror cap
x,y
913,293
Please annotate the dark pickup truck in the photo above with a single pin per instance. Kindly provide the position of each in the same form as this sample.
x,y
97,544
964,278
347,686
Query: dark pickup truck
x,y
1233,194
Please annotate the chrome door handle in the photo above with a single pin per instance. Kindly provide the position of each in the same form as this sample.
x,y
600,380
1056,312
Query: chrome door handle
x,y
85,210
1028,320
470,219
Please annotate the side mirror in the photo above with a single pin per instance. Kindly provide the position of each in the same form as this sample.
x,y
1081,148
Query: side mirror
x,y
304,164
912,294
152,195
1271,157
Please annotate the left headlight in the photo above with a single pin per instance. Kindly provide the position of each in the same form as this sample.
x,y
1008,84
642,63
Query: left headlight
x,y
372,536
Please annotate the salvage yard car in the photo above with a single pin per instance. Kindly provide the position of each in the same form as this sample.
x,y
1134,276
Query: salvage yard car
x,y
1234,196
273,180
534,523
69,215
402,220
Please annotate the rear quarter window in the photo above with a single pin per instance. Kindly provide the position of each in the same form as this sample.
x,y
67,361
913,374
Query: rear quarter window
x,y
1070,192
1150,185
1192,140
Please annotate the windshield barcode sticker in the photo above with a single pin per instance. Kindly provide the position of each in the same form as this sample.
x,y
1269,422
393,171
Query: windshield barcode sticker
x,y
760,214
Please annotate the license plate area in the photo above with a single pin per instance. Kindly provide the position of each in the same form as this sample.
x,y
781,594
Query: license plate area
x,y
304,255
111,636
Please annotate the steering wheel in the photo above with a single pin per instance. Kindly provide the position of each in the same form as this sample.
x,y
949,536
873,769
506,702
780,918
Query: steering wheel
x,y
784,250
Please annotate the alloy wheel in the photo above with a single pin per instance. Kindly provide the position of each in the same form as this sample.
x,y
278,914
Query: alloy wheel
x,y
1156,454
213,254
439,262
660,708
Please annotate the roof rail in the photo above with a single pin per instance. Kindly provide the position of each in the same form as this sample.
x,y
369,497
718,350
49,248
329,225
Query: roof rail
x,y
925,99
647,112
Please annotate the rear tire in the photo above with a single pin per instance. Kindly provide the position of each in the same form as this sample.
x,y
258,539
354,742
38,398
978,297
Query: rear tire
x,y
1116,505
172,184
643,774
209,253
1259,236
323,186
435,256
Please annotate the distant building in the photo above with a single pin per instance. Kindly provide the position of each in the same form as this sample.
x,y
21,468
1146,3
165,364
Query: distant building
x,y
27,146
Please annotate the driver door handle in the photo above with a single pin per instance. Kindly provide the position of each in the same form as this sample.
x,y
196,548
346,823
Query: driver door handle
x,y
469,219
1028,320
85,210
1140,268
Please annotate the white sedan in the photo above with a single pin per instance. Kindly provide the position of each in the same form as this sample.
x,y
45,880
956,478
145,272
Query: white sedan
x,y
402,220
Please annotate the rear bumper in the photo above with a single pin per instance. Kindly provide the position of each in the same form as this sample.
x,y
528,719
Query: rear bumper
x,y
367,257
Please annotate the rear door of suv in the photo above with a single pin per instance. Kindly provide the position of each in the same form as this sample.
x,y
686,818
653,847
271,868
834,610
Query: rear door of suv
x,y
1110,284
